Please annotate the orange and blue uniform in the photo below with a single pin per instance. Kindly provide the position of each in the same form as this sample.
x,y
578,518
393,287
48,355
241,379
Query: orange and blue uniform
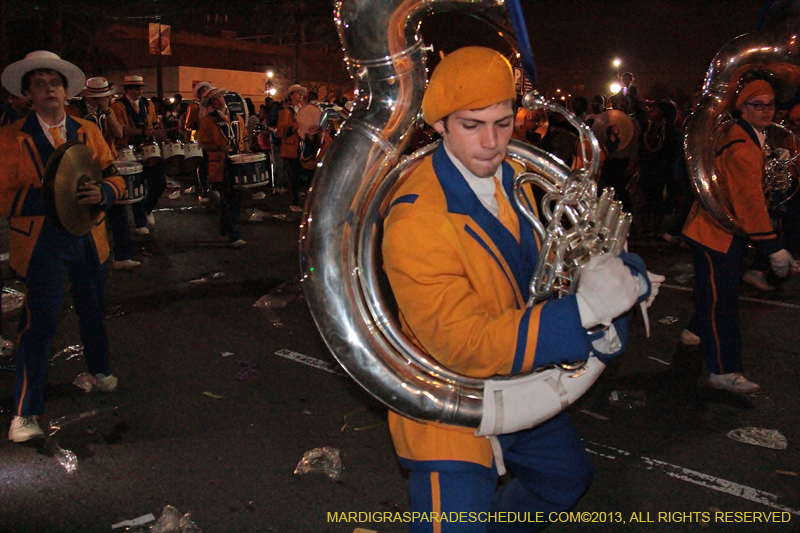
x,y
217,129
154,175
460,278
42,254
718,254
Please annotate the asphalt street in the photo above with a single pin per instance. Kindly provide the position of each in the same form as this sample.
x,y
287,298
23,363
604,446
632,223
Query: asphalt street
x,y
219,399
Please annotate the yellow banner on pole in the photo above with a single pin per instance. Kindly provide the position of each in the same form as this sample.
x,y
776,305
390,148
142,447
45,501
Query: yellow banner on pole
x,y
160,33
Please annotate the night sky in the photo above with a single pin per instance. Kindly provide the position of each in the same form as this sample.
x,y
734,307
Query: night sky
x,y
667,44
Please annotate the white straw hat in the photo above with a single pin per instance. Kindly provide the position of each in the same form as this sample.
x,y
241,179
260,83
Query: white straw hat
x,y
98,87
42,59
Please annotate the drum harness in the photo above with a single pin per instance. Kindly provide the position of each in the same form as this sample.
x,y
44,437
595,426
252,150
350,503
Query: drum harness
x,y
227,129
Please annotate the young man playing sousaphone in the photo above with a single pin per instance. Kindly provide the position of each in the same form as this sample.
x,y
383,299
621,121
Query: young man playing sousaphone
x,y
220,135
718,254
459,257
42,254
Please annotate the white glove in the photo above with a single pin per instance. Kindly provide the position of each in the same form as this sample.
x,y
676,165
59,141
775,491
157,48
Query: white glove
x,y
606,290
655,282
781,261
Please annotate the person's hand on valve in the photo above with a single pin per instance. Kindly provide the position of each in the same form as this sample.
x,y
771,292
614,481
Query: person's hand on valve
x,y
782,262
606,290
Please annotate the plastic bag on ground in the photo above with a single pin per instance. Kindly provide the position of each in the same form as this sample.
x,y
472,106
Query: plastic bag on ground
x,y
256,215
280,296
628,399
86,382
12,300
768,438
325,460
171,521
65,458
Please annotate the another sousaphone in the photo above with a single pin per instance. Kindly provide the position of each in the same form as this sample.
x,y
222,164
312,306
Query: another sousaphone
x,y
71,165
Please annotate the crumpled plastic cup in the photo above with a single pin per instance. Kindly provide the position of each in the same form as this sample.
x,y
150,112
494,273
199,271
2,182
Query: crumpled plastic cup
x,y
325,460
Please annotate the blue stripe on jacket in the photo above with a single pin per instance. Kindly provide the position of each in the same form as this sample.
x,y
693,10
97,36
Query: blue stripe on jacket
x,y
461,199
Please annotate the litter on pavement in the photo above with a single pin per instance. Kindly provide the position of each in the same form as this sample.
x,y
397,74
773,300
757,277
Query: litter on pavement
x,y
325,460
768,438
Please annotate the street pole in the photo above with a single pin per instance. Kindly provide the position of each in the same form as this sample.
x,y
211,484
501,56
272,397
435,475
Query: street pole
x,y
159,81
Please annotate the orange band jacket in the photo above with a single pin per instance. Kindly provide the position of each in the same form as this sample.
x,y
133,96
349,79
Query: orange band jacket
x,y
123,112
215,132
25,150
461,280
739,166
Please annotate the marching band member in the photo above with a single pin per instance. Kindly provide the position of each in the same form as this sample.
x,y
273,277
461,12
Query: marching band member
x,y
140,125
42,254
220,137
459,258
718,254
195,112
290,142
95,106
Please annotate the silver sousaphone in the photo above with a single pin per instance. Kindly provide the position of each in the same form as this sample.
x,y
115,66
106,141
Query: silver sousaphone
x,y
774,51
340,252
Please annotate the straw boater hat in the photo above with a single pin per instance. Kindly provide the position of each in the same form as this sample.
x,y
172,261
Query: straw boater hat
x,y
197,88
42,59
133,80
97,88
295,88
210,94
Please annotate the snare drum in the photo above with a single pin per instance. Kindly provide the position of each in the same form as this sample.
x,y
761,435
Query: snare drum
x,y
249,170
172,152
151,154
193,156
127,154
134,185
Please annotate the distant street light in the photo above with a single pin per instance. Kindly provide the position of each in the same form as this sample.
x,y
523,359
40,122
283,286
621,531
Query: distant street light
x,y
615,88
617,63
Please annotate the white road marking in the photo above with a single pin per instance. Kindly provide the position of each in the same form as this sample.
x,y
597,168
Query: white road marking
x,y
678,472
699,478
311,361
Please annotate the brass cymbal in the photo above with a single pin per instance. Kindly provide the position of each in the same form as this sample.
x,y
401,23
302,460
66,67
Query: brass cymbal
x,y
70,166
614,121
